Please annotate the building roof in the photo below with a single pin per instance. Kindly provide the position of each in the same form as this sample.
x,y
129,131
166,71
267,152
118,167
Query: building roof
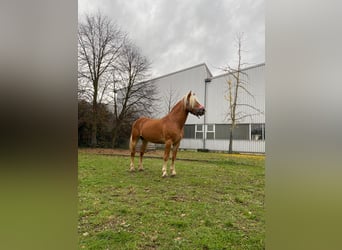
x,y
200,65
182,70
247,68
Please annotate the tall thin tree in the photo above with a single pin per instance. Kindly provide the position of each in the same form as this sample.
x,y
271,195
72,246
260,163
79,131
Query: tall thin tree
x,y
237,83
99,44
170,99
134,93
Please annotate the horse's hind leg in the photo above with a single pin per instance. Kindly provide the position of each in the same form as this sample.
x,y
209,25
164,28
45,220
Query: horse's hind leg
x,y
132,145
142,151
174,154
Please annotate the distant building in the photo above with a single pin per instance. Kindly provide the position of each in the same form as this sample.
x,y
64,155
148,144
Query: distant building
x,y
211,131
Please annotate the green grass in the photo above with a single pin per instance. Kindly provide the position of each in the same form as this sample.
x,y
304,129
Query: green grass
x,y
216,202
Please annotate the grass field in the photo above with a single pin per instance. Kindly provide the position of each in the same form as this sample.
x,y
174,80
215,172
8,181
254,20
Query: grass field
x,y
214,202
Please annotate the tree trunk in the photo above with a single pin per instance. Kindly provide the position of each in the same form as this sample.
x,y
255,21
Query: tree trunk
x,y
94,129
114,137
230,150
94,123
115,134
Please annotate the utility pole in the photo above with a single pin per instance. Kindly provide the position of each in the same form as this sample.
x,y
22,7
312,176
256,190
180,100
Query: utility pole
x,y
206,81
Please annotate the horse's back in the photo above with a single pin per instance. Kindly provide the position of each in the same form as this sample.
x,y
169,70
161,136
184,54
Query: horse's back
x,y
139,122
137,125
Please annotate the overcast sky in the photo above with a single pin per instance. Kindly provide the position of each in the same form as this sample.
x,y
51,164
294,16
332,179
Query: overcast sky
x,y
176,34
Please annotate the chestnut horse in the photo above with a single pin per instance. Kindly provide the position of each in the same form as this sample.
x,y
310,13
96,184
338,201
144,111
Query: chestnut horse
x,y
167,130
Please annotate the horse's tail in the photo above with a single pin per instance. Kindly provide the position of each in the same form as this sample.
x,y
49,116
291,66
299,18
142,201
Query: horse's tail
x,y
136,132
131,142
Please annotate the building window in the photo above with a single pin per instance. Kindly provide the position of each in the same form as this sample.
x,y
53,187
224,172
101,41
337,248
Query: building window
x,y
257,132
240,132
199,135
189,131
199,127
199,131
222,131
211,131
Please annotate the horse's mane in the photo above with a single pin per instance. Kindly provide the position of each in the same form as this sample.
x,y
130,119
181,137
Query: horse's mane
x,y
183,101
192,100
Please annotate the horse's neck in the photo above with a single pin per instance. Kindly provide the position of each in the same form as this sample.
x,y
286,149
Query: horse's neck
x,y
178,114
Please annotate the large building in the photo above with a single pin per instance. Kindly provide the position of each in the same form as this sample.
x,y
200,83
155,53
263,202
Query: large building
x,y
211,131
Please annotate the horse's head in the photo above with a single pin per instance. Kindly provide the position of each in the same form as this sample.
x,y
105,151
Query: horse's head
x,y
193,106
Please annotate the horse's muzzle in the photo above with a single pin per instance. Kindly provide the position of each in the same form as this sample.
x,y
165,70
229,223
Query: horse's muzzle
x,y
199,112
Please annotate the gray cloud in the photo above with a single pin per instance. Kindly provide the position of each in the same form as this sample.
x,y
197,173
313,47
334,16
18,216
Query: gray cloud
x,y
181,33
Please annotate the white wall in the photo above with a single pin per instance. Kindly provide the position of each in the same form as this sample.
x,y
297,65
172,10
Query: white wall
x,y
223,145
217,105
182,82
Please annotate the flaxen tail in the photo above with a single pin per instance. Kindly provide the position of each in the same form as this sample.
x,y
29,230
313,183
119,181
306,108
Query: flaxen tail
x,y
130,143
132,140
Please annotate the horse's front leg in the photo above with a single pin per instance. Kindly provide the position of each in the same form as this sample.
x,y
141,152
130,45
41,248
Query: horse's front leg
x,y
166,157
174,154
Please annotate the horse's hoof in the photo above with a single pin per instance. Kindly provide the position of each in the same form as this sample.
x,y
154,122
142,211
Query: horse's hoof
x,y
141,169
132,170
164,175
173,174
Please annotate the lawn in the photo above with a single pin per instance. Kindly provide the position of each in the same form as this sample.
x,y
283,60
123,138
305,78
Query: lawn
x,y
216,201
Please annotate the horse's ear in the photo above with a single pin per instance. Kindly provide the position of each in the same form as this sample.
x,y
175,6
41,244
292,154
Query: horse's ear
x,y
188,97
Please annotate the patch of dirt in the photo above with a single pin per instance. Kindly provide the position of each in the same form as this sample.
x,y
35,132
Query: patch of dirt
x,y
124,152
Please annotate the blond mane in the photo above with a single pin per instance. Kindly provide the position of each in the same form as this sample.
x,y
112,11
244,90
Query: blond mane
x,y
192,101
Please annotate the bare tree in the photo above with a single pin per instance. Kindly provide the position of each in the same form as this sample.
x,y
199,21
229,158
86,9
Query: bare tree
x,y
237,85
99,43
170,99
134,94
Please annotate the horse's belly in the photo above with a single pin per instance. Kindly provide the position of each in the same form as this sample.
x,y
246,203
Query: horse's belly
x,y
156,132
154,139
158,141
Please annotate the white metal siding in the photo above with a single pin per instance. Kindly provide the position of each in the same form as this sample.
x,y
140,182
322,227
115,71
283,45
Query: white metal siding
x,y
191,143
238,145
217,104
182,82
223,145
